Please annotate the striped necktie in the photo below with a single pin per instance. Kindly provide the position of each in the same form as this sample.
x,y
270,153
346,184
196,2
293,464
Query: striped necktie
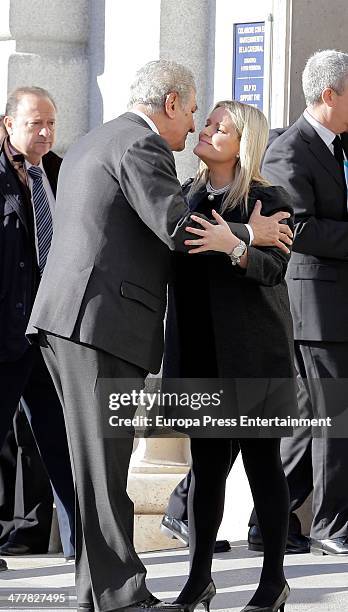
x,y
43,217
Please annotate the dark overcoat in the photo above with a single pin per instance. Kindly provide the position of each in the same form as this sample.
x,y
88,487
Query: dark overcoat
x,y
228,322
19,274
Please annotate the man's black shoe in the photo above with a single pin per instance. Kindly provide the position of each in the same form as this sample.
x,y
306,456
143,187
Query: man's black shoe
x,y
296,542
222,546
174,528
332,546
3,565
152,603
13,550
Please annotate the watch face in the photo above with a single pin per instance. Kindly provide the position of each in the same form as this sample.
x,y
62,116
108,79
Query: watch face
x,y
239,250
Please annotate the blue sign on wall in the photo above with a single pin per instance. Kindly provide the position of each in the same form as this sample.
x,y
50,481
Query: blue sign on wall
x,y
248,63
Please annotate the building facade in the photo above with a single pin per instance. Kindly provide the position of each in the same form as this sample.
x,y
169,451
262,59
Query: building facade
x,y
86,53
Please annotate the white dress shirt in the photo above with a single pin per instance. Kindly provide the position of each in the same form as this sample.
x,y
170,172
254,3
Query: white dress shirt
x,y
149,121
325,134
328,137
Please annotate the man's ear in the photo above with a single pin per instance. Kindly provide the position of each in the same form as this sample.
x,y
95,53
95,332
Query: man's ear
x,y
8,123
328,96
170,104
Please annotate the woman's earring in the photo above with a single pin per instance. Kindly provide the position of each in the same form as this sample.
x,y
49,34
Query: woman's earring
x,y
237,156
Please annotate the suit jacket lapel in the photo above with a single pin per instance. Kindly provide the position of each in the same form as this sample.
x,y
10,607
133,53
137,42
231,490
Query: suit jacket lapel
x,y
52,171
319,149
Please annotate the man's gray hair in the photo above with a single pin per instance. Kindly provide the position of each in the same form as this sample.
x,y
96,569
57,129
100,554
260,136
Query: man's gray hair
x,y
324,69
155,80
15,97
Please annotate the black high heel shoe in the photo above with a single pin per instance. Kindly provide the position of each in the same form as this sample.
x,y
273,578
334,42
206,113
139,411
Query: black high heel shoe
x,y
204,598
278,605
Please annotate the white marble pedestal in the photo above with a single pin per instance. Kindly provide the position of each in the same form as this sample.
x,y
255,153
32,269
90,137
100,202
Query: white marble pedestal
x,y
157,465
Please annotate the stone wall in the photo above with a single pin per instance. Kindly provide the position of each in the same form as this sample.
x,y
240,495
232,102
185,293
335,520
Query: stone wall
x,y
7,46
50,52
315,25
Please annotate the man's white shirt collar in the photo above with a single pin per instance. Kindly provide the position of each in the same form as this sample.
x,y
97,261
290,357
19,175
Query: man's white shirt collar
x,y
149,121
325,134
40,165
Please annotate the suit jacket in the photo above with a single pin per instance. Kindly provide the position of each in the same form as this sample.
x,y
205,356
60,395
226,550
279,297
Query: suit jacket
x,y
318,270
19,276
241,316
119,208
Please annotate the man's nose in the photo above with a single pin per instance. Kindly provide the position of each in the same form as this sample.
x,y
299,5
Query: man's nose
x,y
193,127
45,131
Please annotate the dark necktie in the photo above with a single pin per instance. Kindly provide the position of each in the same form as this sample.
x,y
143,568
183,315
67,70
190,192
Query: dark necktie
x,y
338,150
339,155
43,217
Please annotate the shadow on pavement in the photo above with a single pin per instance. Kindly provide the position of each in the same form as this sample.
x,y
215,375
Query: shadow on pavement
x,y
33,572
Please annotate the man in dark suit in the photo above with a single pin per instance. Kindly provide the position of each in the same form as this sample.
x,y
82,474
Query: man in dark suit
x,y
100,310
101,305
28,180
26,500
308,161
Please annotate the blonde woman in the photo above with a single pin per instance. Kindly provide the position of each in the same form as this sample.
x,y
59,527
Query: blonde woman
x,y
229,315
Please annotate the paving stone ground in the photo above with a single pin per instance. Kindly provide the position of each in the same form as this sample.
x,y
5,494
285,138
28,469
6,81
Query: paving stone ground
x,y
318,584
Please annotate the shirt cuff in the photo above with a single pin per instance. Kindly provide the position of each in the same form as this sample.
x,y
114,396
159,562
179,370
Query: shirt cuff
x,y
251,233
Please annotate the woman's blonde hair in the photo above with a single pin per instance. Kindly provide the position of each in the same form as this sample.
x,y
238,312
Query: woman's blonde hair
x,y
252,129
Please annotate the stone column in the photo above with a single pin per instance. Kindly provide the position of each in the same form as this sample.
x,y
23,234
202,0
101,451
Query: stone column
x,y
187,30
188,37
316,25
123,37
7,46
280,61
157,466
50,52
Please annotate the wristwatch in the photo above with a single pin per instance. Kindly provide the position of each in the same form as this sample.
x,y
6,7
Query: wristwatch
x,y
237,253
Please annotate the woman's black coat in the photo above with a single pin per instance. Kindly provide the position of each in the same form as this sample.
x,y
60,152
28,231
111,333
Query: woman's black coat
x,y
227,322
